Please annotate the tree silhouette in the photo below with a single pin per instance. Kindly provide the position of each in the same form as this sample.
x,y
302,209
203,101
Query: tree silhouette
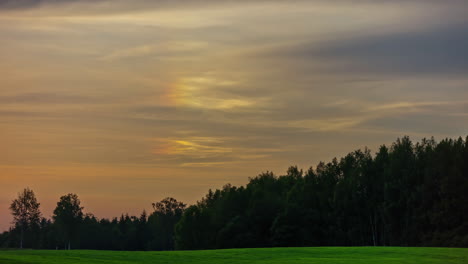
x,y
25,211
67,215
162,222
408,194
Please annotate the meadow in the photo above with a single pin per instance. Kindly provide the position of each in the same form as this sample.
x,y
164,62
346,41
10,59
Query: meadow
x,y
322,255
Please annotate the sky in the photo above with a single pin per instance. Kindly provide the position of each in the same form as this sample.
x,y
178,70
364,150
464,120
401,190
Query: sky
x,y
128,102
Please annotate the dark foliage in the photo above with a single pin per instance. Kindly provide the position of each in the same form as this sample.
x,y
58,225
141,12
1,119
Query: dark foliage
x,y
404,195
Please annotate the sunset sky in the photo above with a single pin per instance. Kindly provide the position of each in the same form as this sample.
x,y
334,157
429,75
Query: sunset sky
x,y
128,102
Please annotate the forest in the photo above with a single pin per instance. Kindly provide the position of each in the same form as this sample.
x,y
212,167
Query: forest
x,y
405,194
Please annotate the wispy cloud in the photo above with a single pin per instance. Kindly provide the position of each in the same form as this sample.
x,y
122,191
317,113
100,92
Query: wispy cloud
x,y
438,49
200,147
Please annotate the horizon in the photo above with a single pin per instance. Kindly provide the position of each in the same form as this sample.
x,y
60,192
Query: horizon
x,y
134,209
128,102
150,209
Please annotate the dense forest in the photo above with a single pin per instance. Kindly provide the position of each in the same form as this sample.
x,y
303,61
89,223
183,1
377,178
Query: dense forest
x,y
407,194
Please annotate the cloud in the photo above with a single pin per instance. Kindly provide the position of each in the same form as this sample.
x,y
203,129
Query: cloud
x,y
119,6
209,151
440,124
34,3
18,4
166,49
46,98
197,146
436,50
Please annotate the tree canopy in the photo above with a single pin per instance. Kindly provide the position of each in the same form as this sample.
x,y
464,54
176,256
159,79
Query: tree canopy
x,y
25,211
406,194
68,215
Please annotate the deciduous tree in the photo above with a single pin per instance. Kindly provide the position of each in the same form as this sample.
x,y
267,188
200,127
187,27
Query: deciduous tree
x,y
25,211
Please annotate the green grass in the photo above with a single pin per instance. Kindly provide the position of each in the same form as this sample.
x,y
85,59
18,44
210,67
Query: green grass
x,y
322,255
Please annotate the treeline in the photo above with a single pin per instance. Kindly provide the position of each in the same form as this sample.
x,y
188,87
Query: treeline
x,y
404,195
70,228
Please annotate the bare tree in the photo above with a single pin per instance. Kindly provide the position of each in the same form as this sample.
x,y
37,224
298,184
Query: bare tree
x,y
25,211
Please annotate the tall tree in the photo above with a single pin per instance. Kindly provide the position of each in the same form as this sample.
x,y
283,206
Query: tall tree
x,y
68,215
162,223
25,211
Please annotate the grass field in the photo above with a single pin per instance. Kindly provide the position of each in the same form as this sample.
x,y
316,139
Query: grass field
x,y
321,255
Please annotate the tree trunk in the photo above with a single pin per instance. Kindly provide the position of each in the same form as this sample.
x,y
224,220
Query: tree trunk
x,y
69,245
372,226
22,235
384,229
